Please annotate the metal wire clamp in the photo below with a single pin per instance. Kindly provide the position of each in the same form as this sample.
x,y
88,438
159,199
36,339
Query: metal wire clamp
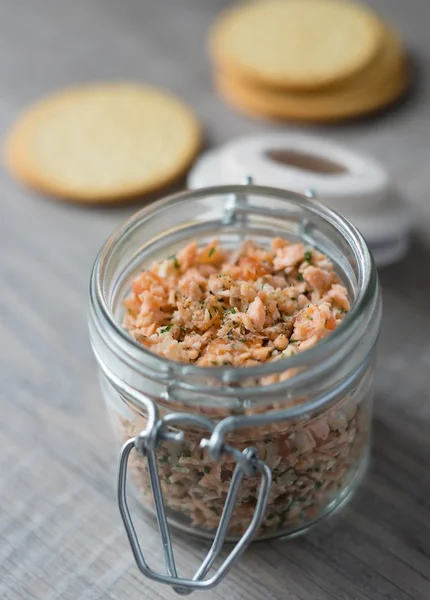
x,y
247,463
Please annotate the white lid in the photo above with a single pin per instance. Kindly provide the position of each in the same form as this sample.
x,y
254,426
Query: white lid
x,y
343,179
355,185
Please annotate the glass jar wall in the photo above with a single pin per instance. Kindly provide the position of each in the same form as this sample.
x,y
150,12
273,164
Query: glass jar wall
x,y
309,416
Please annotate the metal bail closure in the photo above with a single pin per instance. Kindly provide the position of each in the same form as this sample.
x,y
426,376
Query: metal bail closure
x,y
236,206
247,463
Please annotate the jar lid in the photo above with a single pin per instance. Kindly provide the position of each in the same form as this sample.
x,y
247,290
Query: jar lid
x,y
351,183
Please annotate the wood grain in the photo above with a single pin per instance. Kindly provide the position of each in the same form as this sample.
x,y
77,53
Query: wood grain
x,y
60,531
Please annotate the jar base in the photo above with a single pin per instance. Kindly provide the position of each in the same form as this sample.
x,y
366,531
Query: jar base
x,y
332,508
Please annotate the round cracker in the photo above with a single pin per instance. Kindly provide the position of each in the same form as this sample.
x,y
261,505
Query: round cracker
x,y
103,142
380,84
295,44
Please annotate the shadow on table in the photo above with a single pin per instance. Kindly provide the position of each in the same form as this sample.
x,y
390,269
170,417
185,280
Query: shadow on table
x,y
410,278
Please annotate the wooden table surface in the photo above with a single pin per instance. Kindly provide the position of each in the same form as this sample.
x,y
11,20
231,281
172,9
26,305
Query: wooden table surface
x,y
60,531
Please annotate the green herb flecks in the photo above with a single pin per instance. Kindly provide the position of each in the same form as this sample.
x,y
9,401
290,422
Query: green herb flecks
x,y
283,514
207,470
286,471
249,499
167,328
308,257
175,261
300,277
211,251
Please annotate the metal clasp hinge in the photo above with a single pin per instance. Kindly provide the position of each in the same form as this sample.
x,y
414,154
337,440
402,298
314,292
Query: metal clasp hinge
x,y
247,463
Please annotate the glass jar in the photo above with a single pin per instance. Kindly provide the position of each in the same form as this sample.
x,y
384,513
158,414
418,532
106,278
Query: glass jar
x,y
230,453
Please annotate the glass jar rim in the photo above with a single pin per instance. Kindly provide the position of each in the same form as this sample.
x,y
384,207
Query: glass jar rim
x,y
367,281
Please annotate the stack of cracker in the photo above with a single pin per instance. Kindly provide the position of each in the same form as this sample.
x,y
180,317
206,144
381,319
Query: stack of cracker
x,y
310,60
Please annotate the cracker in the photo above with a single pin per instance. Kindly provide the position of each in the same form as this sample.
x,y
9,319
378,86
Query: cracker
x,y
380,84
295,44
103,142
